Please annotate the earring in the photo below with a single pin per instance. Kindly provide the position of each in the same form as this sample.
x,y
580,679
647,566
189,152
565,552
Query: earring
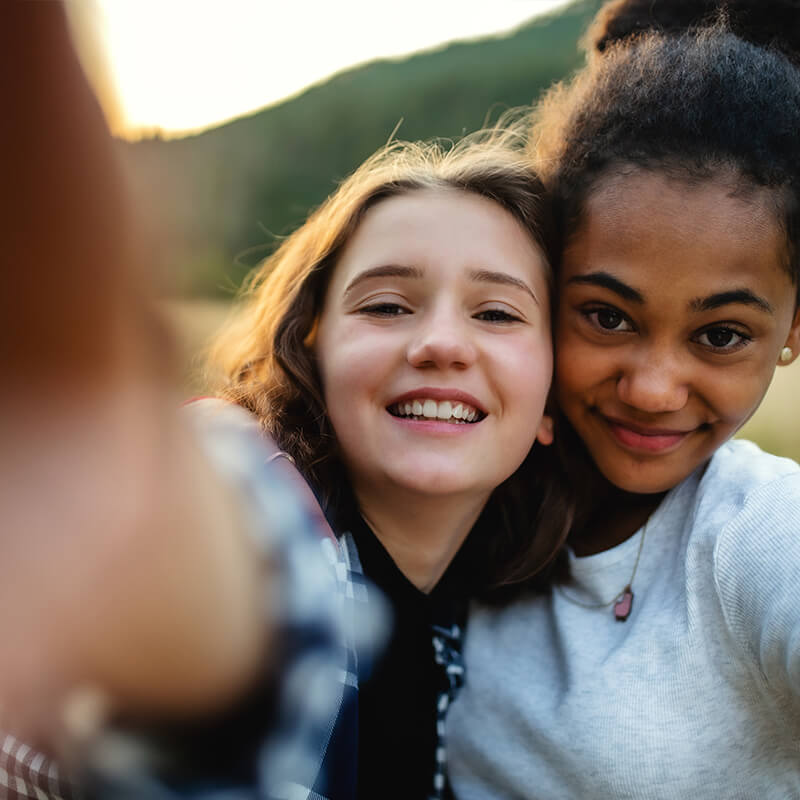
x,y
786,355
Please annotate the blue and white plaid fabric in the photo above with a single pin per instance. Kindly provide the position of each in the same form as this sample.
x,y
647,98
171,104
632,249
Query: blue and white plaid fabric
x,y
325,615
447,650
319,605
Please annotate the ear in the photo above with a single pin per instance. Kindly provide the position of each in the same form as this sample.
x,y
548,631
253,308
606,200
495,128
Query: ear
x,y
545,433
792,341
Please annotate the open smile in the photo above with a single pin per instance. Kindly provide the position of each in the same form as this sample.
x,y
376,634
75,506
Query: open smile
x,y
426,409
435,404
633,436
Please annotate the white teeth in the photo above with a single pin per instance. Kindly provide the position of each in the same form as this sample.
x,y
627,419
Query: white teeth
x,y
429,409
444,410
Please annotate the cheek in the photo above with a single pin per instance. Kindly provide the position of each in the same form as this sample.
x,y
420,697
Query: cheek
x,y
332,364
341,378
576,369
352,362
528,371
735,397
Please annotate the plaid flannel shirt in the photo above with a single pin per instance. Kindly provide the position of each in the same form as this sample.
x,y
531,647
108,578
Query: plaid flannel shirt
x,y
309,751
26,774
322,614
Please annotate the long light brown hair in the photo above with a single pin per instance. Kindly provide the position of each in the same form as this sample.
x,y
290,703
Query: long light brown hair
x,y
264,358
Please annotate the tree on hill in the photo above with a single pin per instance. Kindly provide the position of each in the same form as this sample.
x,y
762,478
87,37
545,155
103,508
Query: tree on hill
x,y
217,201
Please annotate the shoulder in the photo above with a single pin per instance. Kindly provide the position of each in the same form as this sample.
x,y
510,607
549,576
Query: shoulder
x,y
756,553
745,517
759,492
742,482
748,504
263,475
757,500
743,463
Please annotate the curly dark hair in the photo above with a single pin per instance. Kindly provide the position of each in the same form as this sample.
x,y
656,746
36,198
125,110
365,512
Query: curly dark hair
x,y
698,104
771,23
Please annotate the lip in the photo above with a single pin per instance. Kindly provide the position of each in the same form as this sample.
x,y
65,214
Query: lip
x,y
643,438
438,393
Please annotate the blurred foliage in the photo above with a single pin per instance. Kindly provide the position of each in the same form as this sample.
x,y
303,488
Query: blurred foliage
x,y
216,201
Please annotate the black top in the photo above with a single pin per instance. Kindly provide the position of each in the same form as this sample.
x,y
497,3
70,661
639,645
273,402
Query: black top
x,y
398,693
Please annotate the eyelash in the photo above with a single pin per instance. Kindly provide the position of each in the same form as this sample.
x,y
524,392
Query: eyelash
x,y
501,316
383,310
495,315
592,315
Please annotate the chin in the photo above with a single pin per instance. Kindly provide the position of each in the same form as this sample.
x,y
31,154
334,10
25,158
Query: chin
x,y
639,480
437,486
643,487
435,482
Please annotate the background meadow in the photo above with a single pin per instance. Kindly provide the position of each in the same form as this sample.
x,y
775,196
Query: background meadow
x,y
216,202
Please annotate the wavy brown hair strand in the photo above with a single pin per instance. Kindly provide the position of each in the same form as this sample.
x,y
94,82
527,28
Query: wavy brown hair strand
x,y
264,357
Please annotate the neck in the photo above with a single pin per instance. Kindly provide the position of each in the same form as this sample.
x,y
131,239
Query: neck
x,y
421,534
612,518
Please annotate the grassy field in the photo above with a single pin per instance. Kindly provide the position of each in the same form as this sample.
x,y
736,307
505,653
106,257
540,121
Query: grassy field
x,y
194,323
774,426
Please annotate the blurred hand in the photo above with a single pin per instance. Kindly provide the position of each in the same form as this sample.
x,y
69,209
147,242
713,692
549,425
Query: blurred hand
x,y
122,562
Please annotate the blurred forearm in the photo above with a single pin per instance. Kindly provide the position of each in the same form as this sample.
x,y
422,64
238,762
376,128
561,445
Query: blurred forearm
x,y
68,251
122,560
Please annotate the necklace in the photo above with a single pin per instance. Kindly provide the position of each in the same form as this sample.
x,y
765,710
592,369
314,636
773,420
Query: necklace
x,y
622,601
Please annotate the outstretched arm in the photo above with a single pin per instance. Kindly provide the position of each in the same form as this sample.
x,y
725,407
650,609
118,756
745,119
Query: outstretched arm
x,y
123,558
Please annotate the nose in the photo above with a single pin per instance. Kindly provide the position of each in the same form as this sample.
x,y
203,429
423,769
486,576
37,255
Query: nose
x,y
441,340
654,382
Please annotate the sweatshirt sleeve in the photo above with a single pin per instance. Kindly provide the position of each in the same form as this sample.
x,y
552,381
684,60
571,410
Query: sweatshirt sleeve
x,y
757,573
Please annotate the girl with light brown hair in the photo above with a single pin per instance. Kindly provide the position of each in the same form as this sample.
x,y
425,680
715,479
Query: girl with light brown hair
x,y
396,347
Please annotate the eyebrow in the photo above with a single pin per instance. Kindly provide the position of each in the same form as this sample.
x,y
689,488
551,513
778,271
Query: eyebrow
x,y
741,296
397,271
607,281
384,271
710,303
502,278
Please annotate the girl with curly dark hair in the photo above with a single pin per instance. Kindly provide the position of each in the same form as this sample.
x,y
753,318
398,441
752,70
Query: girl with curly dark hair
x,y
668,663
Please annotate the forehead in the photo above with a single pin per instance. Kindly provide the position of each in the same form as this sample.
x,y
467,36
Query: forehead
x,y
682,232
440,227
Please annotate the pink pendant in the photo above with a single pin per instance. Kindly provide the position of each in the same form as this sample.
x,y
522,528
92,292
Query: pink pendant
x,y
623,605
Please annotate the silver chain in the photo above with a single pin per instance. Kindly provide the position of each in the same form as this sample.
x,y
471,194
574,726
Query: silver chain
x,y
621,592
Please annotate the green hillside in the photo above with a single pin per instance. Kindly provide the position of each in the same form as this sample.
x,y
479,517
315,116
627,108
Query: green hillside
x,y
217,200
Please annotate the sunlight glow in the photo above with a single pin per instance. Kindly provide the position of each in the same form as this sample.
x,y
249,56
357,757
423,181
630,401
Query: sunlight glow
x,y
182,65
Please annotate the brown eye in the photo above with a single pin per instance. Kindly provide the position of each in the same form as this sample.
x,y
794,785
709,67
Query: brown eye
x,y
720,337
723,339
609,319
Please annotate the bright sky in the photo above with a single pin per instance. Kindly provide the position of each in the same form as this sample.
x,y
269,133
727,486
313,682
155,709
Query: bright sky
x,y
182,65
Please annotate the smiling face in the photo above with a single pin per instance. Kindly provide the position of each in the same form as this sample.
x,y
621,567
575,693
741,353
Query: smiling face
x,y
674,306
434,345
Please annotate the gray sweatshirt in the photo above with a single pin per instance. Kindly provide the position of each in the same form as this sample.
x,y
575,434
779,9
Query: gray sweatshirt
x,y
696,695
